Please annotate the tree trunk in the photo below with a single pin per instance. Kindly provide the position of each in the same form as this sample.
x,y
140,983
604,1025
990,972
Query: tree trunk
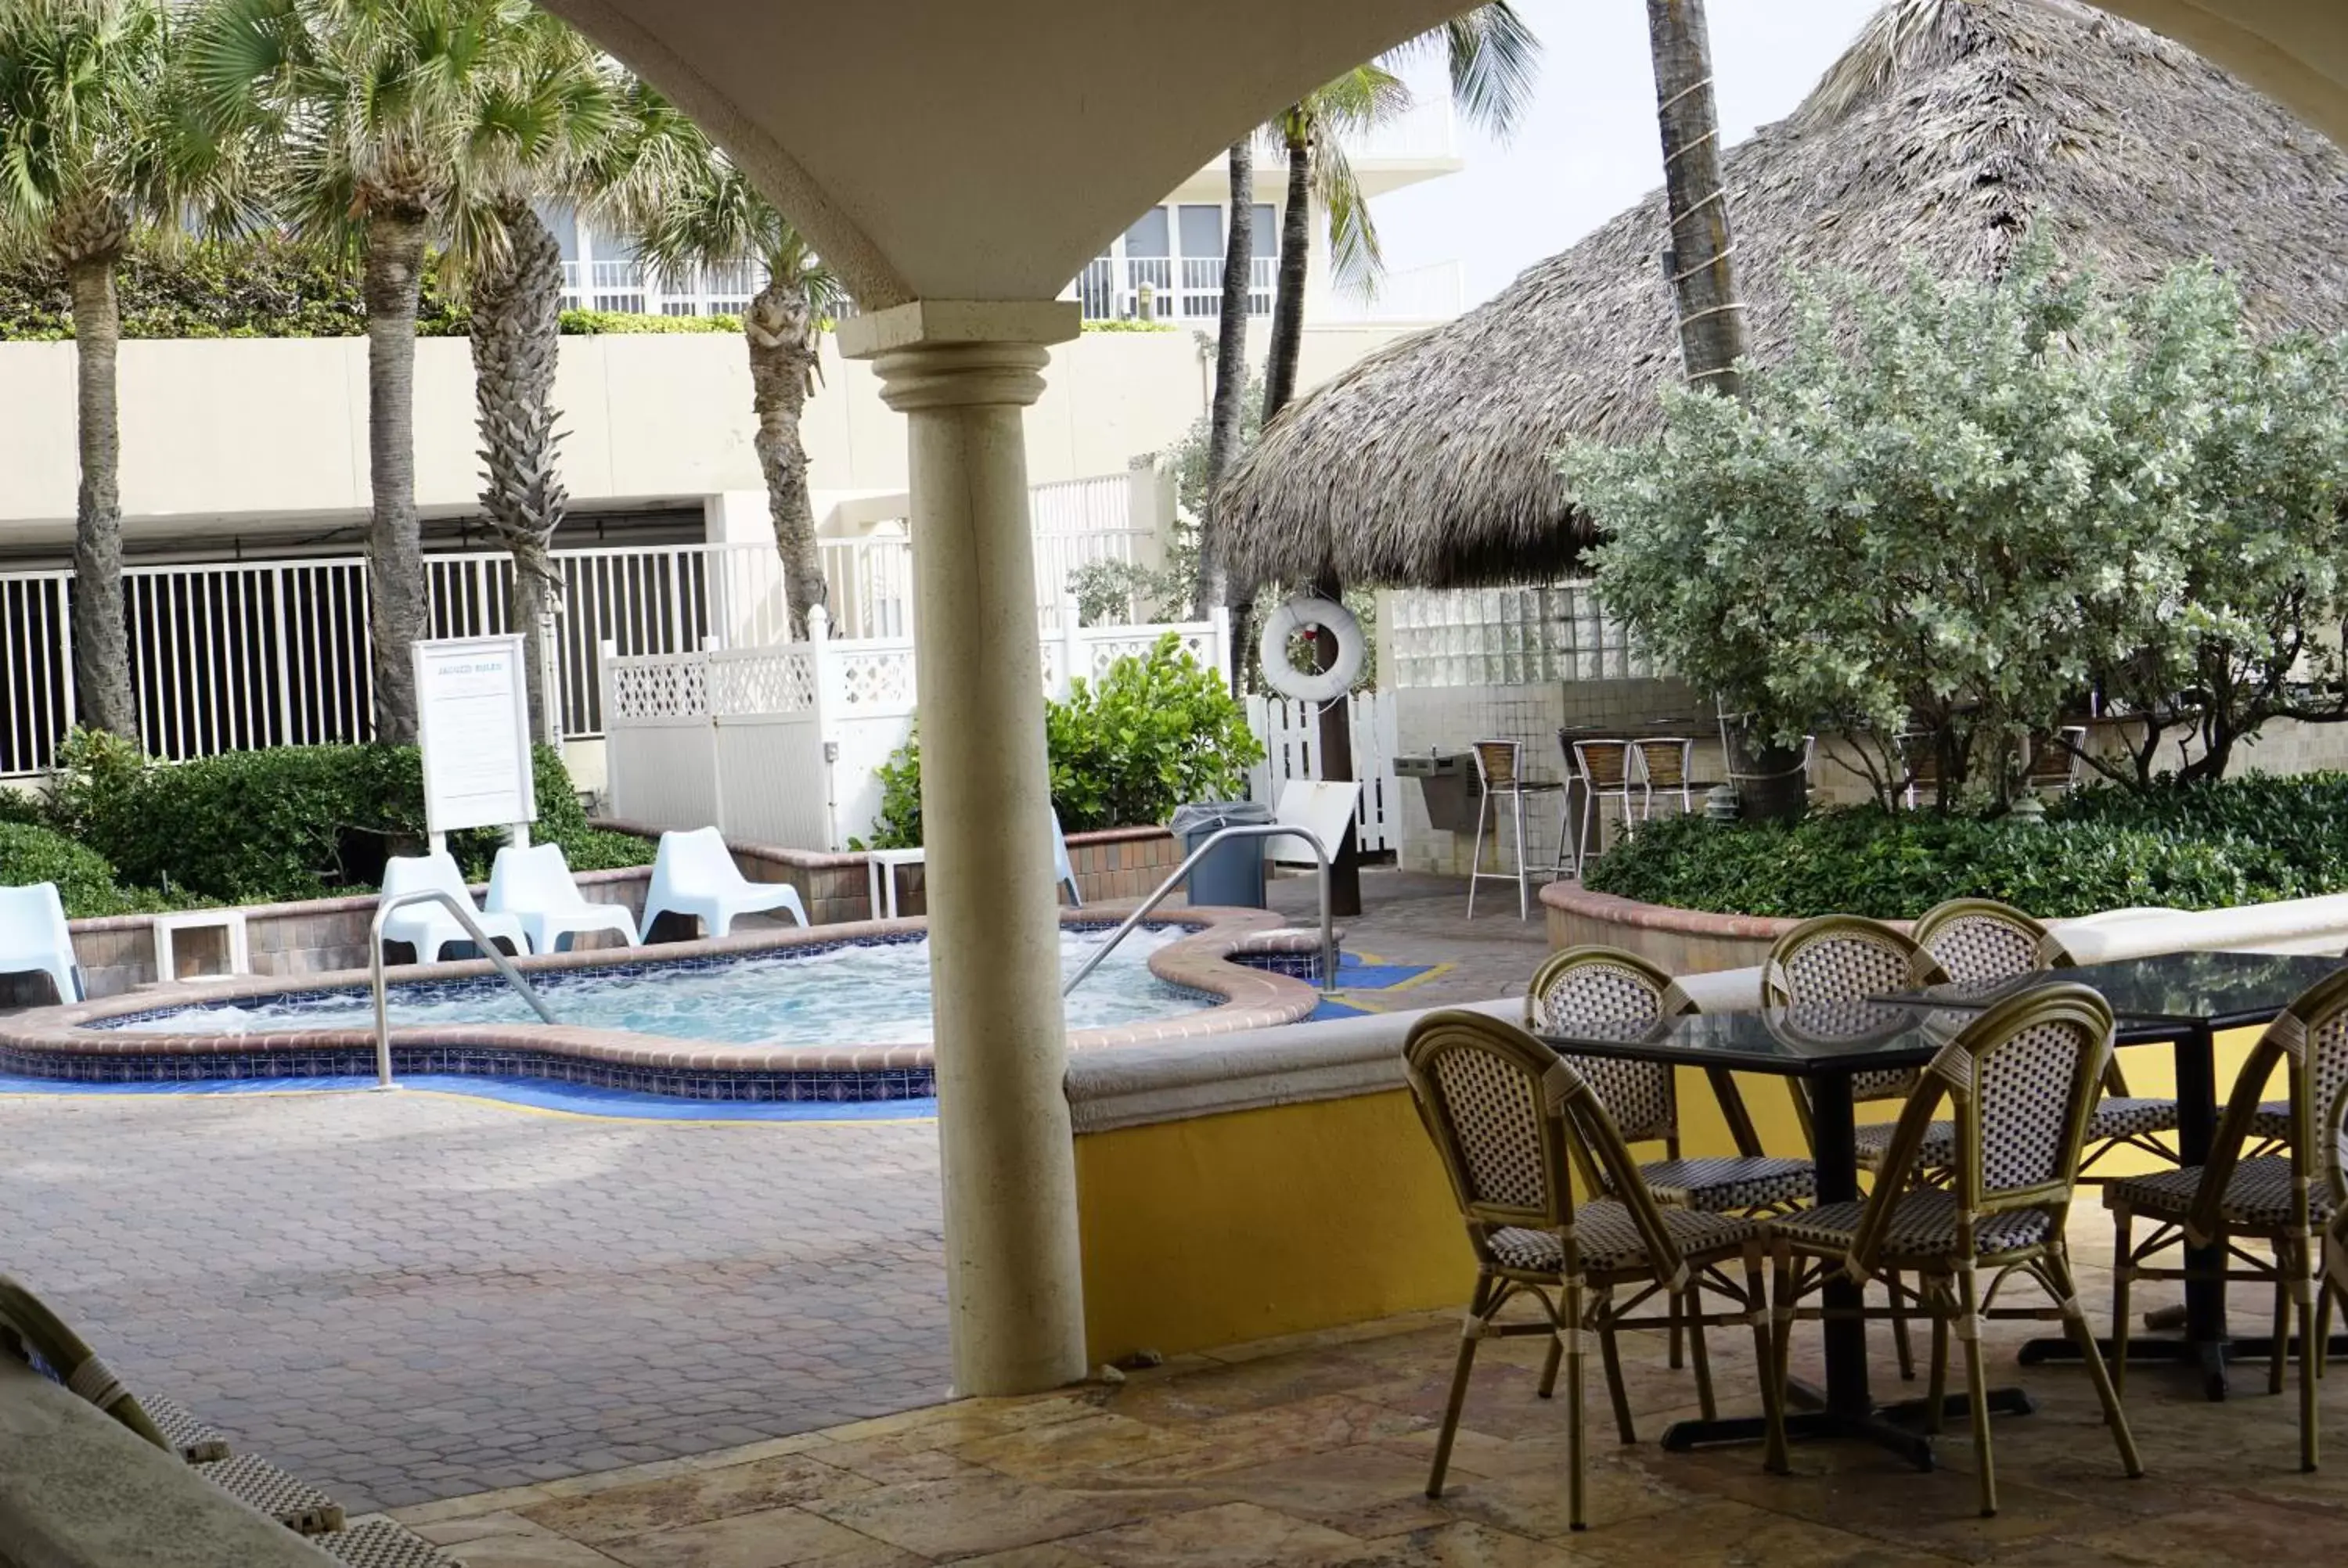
x,y
516,334
396,602
1230,373
1698,259
101,644
1336,739
780,327
1295,259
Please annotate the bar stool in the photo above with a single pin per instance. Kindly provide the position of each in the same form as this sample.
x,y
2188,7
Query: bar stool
x,y
1666,762
1606,771
1498,768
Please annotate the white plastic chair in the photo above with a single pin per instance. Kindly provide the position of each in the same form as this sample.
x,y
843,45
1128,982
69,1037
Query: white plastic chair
x,y
694,875
535,886
1063,868
427,927
35,939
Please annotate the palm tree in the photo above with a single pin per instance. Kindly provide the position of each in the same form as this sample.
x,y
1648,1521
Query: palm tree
x,y
380,116
92,151
546,128
688,205
1231,369
1703,280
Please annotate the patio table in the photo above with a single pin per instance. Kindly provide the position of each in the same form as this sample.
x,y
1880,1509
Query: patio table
x,y
2183,999
1824,1044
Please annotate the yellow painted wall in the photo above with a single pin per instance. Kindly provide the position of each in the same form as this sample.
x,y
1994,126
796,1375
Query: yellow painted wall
x,y
1251,1224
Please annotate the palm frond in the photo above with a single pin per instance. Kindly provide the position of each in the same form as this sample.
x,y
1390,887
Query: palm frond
x,y
1493,59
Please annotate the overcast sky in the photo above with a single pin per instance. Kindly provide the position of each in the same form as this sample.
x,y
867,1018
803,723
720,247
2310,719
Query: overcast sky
x,y
1588,146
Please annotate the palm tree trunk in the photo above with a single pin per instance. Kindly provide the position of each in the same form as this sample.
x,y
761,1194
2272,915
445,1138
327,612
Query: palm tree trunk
x,y
101,647
396,603
1295,259
1712,319
1230,371
516,327
780,327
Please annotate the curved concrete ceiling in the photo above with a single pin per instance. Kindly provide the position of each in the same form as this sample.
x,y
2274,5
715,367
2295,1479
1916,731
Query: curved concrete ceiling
x,y
986,149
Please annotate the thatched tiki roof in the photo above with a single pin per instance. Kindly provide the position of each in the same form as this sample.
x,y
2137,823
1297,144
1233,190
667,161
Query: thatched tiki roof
x,y
1948,129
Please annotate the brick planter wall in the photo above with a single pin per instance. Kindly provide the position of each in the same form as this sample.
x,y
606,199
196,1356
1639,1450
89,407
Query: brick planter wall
x,y
1683,941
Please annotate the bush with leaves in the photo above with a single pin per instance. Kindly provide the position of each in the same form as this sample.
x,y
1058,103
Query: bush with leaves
x,y
85,882
1153,733
269,827
2198,846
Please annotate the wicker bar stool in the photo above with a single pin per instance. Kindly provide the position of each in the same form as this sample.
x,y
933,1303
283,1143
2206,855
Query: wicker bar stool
x,y
1666,764
1606,769
2295,1202
1499,767
1982,939
1511,1120
2019,1078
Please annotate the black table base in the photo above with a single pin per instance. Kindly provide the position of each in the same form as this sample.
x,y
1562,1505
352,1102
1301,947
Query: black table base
x,y
1901,1427
2210,1357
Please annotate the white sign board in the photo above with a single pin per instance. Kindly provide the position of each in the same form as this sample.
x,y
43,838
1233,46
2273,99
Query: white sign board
x,y
472,704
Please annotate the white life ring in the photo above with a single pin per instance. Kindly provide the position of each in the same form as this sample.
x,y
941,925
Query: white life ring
x,y
1329,618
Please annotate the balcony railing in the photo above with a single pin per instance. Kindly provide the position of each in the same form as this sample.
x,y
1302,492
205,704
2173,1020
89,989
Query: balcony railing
x,y
1166,288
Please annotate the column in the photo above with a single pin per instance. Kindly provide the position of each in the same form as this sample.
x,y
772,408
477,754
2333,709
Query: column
x,y
962,373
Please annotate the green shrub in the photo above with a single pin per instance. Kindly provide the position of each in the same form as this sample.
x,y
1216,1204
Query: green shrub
x,y
269,827
2242,841
260,287
85,881
1153,733
589,323
22,805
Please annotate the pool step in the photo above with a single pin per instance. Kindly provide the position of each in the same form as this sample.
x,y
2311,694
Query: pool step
x,y
198,1440
380,1544
281,1494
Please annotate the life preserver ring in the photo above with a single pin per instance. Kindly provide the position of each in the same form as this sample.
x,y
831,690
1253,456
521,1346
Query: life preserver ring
x,y
1327,618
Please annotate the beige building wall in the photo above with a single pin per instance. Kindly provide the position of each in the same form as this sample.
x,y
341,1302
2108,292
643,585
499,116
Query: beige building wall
x,y
245,437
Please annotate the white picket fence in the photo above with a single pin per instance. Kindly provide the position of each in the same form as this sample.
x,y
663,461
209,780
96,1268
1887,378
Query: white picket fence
x,y
1290,733
779,744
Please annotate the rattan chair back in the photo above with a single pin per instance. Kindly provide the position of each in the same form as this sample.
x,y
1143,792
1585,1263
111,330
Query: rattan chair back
x,y
2019,1080
1511,1118
2309,1041
1846,957
1605,765
1608,988
1663,760
1497,764
1982,939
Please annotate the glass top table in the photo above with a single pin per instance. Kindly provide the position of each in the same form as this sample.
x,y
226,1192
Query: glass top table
x,y
2184,1000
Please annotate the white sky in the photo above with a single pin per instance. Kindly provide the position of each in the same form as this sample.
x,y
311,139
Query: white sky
x,y
1588,148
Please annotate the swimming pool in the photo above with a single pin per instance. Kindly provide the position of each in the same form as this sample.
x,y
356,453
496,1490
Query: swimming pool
x,y
875,992
830,1013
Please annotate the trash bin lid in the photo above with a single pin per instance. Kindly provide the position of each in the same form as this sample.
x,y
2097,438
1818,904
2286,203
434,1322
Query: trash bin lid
x,y
1206,816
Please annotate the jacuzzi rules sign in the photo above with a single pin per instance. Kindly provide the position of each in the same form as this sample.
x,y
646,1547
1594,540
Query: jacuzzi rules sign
x,y
473,721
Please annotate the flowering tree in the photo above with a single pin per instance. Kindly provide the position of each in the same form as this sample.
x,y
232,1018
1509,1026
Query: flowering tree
x,y
1954,507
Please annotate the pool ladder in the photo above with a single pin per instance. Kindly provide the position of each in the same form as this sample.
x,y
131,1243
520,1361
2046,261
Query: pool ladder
x,y
1181,874
464,913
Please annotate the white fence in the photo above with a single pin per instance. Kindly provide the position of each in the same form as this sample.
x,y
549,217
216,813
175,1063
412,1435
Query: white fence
x,y
1290,733
778,745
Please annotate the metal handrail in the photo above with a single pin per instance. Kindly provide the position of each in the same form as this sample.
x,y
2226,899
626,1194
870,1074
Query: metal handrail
x,y
464,912
1182,872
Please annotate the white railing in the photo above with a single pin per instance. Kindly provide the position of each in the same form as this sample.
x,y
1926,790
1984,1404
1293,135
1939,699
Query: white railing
x,y
37,689
1428,129
779,745
1290,733
1180,289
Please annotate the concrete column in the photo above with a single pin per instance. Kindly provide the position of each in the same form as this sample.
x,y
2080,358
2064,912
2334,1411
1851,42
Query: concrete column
x,y
962,373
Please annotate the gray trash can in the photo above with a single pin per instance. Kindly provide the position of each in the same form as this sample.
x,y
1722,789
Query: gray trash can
x,y
1232,873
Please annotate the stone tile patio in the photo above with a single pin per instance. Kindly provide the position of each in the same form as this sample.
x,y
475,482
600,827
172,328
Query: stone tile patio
x,y
1313,1451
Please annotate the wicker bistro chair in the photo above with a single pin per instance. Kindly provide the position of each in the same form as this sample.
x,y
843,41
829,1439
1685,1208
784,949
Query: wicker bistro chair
x,y
1606,769
1510,1119
1846,958
1592,985
2020,1079
1499,768
1981,940
2294,1201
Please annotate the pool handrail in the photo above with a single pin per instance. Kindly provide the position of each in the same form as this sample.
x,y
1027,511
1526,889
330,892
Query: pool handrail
x,y
1182,872
460,909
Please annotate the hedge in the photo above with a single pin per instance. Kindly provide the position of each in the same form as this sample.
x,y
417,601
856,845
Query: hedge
x,y
2241,841
85,881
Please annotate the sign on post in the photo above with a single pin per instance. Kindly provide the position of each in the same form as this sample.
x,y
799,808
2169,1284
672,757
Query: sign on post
x,y
472,704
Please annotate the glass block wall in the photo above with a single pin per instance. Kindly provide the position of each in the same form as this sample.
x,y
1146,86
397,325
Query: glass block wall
x,y
1505,637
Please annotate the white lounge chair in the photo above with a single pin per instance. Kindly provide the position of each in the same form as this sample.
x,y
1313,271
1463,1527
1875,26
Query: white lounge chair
x,y
429,927
1062,868
35,939
694,875
535,886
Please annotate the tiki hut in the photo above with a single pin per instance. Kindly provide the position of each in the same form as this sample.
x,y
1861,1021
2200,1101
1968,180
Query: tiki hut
x,y
1947,130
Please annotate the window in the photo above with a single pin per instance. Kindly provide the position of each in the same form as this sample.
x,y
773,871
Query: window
x,y
1147,235
1264,232
1203,232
